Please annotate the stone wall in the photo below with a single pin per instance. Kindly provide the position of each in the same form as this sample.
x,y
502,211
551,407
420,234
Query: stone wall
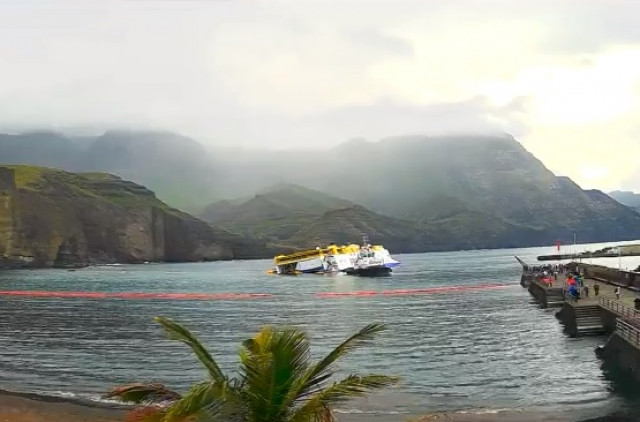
x,y
608,320
541,294
610,275
567,317
619,354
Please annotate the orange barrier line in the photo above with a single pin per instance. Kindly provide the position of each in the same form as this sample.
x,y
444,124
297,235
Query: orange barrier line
x,y
241,296
425,291
134,295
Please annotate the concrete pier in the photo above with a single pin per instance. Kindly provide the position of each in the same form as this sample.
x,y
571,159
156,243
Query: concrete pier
x,y
547,296
600,314
581,319
622,350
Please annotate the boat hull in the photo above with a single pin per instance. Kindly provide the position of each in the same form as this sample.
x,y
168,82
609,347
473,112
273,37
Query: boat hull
x,y
375,271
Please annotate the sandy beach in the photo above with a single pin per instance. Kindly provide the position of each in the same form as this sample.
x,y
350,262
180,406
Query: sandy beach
x,y
26,408
16,407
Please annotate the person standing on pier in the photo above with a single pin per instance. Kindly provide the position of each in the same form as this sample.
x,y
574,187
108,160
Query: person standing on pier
x,y
617,292
586,291
596,289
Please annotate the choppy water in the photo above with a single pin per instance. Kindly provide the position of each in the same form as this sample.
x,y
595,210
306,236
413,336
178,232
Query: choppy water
x,y
484,349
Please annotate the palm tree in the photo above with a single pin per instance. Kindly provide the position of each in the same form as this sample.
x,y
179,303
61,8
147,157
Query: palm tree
x,y
277,382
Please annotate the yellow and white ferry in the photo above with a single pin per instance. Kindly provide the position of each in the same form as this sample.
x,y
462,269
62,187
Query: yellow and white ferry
x,y
333,258
351,259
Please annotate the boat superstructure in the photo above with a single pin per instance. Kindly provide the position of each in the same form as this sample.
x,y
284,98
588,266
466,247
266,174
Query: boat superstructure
x,y
340,258
333,258
373,260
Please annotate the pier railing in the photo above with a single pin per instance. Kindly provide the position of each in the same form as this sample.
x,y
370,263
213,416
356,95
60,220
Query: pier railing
x,y
620,309
628,332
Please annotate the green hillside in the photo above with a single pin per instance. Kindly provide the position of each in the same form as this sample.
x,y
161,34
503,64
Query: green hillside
x,y
57,218
274,214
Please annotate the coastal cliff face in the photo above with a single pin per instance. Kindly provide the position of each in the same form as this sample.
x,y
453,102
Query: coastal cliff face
x,y
55,218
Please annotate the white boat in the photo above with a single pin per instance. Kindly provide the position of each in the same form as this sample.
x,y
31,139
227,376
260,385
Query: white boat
x,y
373,261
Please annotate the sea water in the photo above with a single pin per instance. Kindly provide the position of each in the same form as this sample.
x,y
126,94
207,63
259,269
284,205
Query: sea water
x,y
471,350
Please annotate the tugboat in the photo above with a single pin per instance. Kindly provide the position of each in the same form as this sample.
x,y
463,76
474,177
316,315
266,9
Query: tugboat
x,y
372,261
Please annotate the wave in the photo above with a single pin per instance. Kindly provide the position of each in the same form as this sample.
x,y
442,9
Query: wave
x,y
486,411
67,397
369,412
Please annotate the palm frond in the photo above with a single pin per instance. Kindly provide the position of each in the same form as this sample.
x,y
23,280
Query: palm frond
x,y
177,332
353,386
272,363
321,371
207,401
139,393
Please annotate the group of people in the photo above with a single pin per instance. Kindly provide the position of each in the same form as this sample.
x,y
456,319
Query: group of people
x,y
547,274
545,269
575,286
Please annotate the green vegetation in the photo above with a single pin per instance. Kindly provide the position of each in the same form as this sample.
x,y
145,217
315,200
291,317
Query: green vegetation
x,y
27,177
457,191
277,382
275,214
447,224
100,186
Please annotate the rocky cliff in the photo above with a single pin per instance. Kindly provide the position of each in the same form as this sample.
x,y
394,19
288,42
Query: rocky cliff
x,y
55,218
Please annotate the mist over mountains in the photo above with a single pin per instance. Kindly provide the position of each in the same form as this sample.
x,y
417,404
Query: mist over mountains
x,y
426,193
628,198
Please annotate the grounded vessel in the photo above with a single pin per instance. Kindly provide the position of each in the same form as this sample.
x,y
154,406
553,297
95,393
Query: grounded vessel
x,y
333,258
352,259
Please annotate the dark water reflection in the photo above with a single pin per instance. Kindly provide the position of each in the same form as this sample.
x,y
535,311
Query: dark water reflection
x,y
464,350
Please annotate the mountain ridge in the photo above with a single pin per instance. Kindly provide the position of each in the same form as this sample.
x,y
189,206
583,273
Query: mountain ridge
x,y
477,191
628,198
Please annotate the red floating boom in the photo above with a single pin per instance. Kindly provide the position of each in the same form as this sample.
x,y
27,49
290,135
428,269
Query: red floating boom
x,y
425,291
242,296
135,295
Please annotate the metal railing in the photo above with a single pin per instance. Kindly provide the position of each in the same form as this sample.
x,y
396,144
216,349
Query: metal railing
x,y
623,311
628,332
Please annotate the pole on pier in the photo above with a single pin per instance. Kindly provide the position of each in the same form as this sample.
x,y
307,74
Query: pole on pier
x,y
619,258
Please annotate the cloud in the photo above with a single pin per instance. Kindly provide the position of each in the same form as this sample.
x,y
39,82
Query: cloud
x,y
561,75
373,38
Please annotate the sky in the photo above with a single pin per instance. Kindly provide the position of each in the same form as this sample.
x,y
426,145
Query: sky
x,y
562,76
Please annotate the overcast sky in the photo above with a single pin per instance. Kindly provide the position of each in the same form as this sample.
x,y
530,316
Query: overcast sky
x,y
562,76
